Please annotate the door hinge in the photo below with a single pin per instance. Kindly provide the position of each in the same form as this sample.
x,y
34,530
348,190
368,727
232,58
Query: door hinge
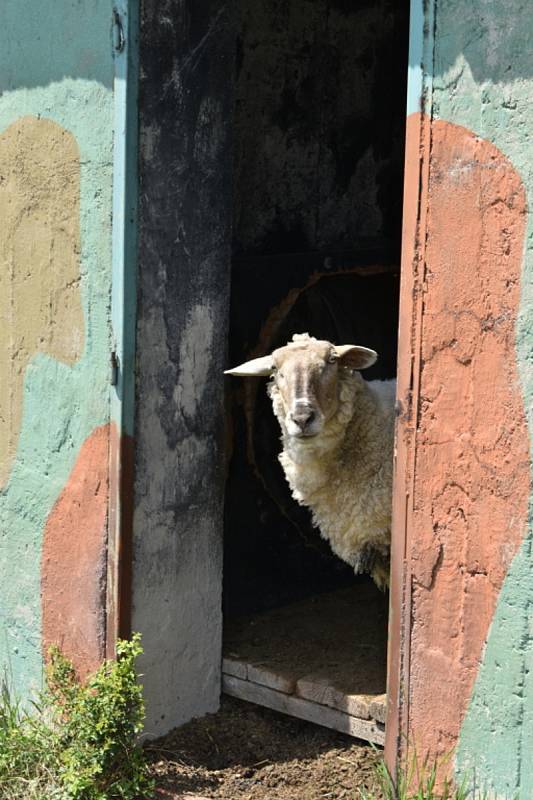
x,y
119,39
114,368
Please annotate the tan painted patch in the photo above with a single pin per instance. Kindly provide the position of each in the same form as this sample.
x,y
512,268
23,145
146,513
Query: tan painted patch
x,y
73,566
468,434
40,306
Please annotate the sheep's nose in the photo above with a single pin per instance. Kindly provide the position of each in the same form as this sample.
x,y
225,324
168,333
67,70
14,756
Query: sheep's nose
x,y
303,416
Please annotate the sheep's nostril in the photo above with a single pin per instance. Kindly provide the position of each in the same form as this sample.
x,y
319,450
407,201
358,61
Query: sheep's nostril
x,y
303,417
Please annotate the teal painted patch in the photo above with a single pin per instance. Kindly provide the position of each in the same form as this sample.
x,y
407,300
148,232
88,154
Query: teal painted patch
x,y
56,65
483,80
125,198
420,55
42,44
497,734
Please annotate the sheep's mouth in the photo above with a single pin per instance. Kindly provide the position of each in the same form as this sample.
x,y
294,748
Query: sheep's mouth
x,y
305,435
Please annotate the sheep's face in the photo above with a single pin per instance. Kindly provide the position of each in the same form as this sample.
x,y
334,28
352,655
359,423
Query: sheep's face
x,y
306,378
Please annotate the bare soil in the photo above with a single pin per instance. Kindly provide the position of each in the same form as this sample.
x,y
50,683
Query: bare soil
x,y
250,753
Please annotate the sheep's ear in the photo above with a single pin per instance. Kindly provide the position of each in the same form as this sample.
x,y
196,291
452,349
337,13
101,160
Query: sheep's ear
x,y
256,368
355,357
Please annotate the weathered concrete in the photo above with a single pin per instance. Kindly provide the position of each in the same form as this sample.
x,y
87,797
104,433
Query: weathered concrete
x,y
185,98
56,74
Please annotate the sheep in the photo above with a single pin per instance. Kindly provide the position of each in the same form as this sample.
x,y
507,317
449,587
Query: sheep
x,y
337,433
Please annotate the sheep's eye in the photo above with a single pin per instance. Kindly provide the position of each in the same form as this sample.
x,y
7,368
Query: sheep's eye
x,y
280,375
332,359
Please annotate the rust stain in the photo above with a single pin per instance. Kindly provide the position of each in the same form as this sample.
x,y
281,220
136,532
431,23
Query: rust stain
x,y
73,567
120,541
471,478
418,137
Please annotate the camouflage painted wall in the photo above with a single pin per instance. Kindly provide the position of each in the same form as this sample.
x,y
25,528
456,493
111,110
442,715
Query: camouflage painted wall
x,y
56,169
466,397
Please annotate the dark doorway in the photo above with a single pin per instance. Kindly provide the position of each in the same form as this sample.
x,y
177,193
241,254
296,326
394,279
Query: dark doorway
x,y
318,184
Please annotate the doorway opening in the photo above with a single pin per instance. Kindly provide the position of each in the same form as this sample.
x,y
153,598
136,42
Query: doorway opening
x,y
318,185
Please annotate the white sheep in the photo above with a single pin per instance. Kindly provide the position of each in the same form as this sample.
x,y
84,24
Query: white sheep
x,y
337,435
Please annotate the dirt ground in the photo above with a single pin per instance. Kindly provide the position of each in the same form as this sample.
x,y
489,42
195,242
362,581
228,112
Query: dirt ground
x,y
249,753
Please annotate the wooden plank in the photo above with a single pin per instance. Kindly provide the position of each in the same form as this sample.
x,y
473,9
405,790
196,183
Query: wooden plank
x,y
232,666
378,708
304,709
315,688
271,679
258,673
319,690
311,650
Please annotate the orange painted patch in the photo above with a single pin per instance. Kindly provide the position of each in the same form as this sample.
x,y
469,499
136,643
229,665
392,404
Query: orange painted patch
x,y
73,570
471,476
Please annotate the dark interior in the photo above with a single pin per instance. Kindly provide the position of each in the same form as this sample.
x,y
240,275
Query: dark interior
x,y
318,184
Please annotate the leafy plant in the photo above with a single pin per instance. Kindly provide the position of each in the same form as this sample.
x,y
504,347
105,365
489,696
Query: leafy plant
x,y
79,741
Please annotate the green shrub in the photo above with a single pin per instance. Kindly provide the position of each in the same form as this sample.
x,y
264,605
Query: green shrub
x,y
79,741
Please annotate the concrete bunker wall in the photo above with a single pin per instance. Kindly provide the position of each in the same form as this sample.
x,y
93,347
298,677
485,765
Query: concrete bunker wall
x,y
465,534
